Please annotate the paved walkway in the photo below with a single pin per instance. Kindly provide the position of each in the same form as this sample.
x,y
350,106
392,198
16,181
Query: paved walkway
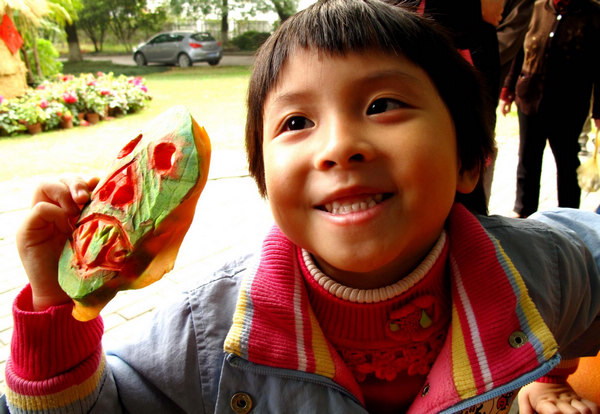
x,y
230,216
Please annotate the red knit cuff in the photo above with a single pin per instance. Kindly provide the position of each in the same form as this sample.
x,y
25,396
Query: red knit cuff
x,y
46,344
507,95
559,374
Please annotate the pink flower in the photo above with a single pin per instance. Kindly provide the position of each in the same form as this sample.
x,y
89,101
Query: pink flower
x,y
1,98
41,87
104,92
91,83
143,87
99,74
67,78
43,104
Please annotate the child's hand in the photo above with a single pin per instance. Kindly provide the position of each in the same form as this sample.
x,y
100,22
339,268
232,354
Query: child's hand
x,y
545,398
40,239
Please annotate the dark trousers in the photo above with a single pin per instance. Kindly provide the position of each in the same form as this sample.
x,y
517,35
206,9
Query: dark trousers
x,y
562,133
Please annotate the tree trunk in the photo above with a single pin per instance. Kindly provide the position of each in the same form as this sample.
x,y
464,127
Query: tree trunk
x,y
30,80
224,22
36,56
73,41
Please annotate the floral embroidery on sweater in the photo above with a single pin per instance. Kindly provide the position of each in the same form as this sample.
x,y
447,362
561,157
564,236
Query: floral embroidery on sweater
x,y
400,333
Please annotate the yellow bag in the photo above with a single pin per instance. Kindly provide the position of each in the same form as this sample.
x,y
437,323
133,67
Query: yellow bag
x,y
588,174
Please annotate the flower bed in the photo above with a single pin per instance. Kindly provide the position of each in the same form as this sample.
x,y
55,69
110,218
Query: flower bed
x,y
65,101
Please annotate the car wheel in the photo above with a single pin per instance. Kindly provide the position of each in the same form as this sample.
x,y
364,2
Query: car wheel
x,y
214,62
184,60
140,59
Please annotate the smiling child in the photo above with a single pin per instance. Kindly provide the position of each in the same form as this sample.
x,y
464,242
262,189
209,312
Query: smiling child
x,y
383,286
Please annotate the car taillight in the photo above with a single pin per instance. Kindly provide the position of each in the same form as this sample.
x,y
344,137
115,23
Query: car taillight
x,y
195,45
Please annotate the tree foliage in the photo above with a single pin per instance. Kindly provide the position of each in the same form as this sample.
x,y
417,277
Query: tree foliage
x,y
94,21
283,8
35,18
124,18
223,8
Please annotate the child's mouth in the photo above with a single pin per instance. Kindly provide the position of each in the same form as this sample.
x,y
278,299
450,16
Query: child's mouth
x,y
354,205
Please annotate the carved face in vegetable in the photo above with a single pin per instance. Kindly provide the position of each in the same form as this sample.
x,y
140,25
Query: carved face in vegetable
x,y
129,234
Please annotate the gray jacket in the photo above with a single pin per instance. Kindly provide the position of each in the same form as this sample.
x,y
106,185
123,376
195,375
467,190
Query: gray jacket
x,y
180,365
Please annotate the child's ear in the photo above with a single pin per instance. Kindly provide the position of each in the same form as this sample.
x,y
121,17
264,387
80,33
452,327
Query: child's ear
x,y
467,180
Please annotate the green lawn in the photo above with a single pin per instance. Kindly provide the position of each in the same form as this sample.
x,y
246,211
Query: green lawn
x,y
214,95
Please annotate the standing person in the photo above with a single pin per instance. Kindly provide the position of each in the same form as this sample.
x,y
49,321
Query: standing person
x,y
383,287
552,84
511,32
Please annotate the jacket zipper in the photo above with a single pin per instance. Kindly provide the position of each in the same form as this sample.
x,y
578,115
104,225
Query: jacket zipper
x,y
511,386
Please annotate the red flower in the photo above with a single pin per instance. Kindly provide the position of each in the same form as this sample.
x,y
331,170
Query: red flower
x,y
69,98
104,92
43,104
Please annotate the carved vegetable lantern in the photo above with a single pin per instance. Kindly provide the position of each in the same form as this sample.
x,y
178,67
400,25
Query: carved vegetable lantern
x,y
128,235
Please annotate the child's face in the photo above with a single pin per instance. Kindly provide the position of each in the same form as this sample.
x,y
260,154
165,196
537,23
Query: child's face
x,y
361,163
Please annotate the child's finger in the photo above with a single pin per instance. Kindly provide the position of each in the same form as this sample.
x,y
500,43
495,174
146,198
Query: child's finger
x,y
567,407
79,188
45,213
57,193
585,406
549,407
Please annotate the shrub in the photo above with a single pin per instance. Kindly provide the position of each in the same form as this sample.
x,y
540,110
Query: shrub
x,y
250,40
48,58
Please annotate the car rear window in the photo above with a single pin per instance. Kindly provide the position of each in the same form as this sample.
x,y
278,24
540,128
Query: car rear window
x,y
202,37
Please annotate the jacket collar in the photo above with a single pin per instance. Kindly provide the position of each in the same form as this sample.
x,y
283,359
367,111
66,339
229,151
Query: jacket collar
x,y
496,333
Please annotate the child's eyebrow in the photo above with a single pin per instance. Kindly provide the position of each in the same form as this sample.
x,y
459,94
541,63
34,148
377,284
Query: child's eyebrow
x,y
411,85
287,98
403,78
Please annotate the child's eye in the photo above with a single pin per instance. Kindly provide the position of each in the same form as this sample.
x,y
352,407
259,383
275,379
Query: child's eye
x,y
297,123
383,105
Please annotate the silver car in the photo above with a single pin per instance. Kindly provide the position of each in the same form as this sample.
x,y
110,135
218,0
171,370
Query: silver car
x,y
181,48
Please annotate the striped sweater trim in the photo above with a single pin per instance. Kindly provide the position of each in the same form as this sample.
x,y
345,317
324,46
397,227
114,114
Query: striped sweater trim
x,y
484,320
78,398
274,324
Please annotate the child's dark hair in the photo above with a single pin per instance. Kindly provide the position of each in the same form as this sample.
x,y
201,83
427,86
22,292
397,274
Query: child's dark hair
x,y
338,27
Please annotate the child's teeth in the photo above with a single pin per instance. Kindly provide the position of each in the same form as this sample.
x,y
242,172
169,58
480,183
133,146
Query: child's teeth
x,y
337,207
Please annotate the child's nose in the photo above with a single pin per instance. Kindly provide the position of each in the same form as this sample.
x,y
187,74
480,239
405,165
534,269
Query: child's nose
x,y
343,146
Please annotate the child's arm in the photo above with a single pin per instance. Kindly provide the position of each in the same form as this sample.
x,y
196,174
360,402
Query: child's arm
x,y
56,362
552,395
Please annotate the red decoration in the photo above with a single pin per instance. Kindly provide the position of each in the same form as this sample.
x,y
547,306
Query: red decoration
x,y
10,35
